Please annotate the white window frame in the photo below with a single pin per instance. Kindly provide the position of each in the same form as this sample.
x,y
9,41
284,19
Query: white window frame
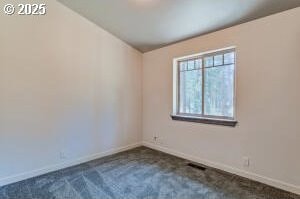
x,y
176,89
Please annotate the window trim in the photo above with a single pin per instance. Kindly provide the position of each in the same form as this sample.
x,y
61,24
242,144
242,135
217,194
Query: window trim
x,y
201,118
223,122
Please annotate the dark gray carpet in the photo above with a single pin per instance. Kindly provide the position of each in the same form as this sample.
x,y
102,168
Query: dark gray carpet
x,y
141,173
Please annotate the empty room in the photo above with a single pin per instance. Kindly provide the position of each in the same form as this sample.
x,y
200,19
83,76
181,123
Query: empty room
x,y
150,99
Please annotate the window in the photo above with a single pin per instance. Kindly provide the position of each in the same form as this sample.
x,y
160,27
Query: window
x,y
204,88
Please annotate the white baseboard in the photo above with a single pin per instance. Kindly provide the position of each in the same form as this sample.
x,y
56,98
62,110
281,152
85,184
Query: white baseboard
x,y
41,171
253,176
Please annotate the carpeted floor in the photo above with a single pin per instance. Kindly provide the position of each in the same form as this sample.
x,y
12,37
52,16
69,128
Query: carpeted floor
x,y
141,173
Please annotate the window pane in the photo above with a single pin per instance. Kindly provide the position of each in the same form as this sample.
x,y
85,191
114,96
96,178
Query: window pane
x,y
190,99
183,66
229,58
208,61
219,91
198,63
191,64
218,60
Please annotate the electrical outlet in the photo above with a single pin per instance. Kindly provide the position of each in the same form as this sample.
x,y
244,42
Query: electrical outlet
x,y
62,155
160,141
246,161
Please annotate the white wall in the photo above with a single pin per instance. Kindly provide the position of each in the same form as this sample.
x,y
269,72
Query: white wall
x,y
65,85
268,102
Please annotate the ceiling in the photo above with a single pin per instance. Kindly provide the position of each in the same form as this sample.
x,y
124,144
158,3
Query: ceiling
x,y
150,24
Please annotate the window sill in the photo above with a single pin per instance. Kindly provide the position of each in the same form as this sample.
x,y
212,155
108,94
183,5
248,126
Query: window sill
x,y
231,123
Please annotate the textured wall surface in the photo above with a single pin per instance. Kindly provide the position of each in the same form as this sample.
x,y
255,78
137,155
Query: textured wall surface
x,y
66,85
